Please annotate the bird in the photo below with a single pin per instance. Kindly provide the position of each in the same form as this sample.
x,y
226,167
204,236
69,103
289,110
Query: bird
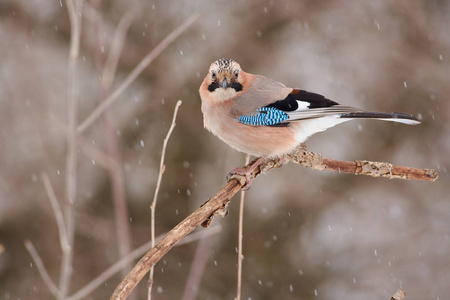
x,y
264,118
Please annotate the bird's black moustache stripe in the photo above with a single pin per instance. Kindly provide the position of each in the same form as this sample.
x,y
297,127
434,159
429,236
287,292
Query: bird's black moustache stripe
x,y
234,85
213,86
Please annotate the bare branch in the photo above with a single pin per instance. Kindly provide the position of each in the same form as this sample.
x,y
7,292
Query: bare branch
x,y
73,7
155,196
63,238
124,261
240,237
41,268
205,213
163,154
357,167
147,60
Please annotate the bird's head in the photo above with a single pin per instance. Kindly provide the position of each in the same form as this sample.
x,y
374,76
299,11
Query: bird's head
x,y
224,77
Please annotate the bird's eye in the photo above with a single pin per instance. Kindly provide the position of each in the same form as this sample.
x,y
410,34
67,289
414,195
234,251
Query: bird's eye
x,y
213,75
236,74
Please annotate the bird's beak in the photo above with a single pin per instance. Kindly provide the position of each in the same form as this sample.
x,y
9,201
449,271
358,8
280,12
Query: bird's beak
x,y
224,83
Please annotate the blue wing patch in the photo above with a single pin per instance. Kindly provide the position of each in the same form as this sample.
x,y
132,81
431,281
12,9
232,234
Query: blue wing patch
x,y
267,116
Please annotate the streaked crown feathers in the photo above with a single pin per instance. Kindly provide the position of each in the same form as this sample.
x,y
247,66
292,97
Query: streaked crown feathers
x,y
225,65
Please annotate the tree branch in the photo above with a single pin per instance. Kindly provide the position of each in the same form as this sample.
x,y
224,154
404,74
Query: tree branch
x,y
240,239
63,238
218,204
74,8
357,167
41,268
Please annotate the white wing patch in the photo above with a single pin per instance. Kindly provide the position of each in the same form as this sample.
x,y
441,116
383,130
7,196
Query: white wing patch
x,y
303,105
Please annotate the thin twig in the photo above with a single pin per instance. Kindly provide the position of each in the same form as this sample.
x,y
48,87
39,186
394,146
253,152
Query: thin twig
x,y
147,60
124,261
155,196
41,268
63,238
219,202
163,154
240,237
67,253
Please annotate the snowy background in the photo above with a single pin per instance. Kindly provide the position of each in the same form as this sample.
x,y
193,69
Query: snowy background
x,y
307,234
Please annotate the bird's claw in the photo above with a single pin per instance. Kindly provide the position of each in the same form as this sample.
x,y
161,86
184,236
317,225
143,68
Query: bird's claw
x,y
241,172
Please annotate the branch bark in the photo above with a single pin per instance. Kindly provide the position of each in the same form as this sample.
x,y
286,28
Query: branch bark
x,y
357,167
218,204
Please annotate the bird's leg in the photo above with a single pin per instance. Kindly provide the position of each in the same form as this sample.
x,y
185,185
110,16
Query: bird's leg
x,y
246,172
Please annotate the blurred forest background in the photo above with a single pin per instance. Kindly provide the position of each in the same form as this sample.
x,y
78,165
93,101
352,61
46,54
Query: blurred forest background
x,y
307,234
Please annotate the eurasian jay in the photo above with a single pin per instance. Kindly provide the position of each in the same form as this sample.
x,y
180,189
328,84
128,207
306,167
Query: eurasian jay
x,y
262,117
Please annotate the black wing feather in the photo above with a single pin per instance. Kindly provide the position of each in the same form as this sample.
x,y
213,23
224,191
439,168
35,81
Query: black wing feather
x,y
290,102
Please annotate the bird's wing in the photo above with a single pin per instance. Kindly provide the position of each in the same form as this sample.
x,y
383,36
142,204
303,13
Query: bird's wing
x,y
300,105
297,105
261,92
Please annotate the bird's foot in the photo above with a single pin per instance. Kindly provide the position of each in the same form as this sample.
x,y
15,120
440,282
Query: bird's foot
x,y
242,172
246,172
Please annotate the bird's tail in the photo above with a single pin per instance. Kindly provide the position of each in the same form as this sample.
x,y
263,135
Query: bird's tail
x,y
393,117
